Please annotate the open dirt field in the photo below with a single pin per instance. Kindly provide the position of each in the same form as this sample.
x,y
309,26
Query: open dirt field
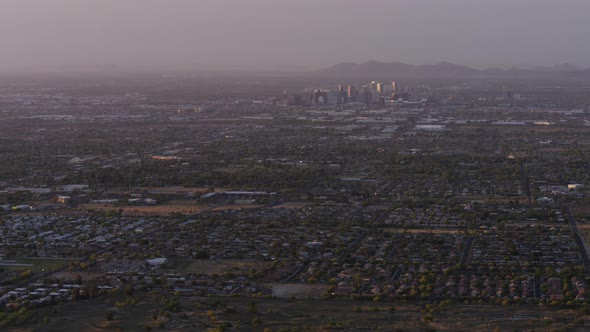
x,y
212,266
156,210
34,264
235,207
291,205
423,231
287,291
582,210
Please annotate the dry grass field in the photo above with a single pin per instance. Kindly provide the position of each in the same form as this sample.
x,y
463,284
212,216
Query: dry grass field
x,y
258,314
182,207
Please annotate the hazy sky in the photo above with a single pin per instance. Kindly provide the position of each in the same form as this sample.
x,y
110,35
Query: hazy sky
x,y
39,34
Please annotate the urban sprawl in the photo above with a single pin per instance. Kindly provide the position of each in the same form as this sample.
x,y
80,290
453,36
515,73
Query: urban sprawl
x,y
400,201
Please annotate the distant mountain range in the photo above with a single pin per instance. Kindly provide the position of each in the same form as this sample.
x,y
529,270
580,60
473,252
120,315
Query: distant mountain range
x,y
445,69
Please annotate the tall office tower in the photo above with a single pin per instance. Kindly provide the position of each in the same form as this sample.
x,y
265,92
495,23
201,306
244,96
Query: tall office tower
x,y
364,94
333,98
320,97
393,86
295,100
507,93
380,88
386,90
341,94
351,92
373,86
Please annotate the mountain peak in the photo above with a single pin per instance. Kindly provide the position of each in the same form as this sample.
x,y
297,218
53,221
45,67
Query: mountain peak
x,y
374,68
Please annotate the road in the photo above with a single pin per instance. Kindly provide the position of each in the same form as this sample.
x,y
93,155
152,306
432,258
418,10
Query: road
x,y
465,255
579,238
525,182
